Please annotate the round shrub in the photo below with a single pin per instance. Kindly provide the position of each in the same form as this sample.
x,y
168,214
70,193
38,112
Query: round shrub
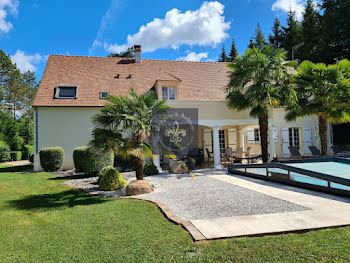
x,y
5,152
51,158
150,169
89,161
111,180
28,150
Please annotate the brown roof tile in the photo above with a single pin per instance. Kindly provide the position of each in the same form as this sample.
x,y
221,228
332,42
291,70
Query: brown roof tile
x,y
199,80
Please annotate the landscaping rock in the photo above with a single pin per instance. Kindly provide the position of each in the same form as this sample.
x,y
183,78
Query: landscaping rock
x,y
138,187
179,168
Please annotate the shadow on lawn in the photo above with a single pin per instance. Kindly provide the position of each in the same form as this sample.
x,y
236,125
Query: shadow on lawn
x,y
61,200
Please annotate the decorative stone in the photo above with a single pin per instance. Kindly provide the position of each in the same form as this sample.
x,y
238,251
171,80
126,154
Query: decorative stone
x,y
138,187
179,168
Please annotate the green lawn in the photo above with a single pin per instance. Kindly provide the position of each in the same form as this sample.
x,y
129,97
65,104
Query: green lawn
x,y
41,220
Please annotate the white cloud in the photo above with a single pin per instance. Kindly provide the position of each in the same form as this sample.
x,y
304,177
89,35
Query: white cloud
x,y
26,62
193,56
7,7
297,6
106,20
205,26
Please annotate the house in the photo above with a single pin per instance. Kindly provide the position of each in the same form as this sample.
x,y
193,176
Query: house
x,y
73,89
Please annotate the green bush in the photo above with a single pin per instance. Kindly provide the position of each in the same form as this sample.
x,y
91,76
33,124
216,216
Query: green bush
x,y
16,155
28,150
150,169
5,152
91,162
111,180
103,171
51,158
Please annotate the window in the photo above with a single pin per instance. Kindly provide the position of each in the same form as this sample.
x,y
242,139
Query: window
x,y
103,94
168,93
66,92
222,140
256,135
294,137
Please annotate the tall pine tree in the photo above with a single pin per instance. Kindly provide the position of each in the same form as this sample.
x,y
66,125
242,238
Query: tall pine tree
x,y
223,57
259,38
233,53
276,38
291,34
310,33
335,30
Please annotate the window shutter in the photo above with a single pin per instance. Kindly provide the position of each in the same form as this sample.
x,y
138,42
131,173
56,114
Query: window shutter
x,y
275,134
285,142
250,135
232,138
307,141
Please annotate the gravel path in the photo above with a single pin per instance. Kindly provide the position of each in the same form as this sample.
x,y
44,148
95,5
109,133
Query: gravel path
x,y
203,197
199,197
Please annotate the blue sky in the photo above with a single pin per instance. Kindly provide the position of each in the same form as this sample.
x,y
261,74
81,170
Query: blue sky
x,y
172,29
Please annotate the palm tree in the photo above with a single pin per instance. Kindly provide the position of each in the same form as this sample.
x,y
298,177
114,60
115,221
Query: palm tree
x,y
258,81
323,91
124,125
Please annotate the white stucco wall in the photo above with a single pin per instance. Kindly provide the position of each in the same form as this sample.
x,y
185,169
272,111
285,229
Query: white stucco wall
x,y
68,128
71,127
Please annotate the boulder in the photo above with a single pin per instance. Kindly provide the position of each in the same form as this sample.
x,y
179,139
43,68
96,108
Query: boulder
x,y
138,187
179,168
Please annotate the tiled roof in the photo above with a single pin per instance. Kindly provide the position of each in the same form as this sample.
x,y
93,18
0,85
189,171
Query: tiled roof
x,y
198,80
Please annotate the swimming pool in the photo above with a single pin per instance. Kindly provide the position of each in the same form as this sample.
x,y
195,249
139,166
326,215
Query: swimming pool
x,y
321,174
337,169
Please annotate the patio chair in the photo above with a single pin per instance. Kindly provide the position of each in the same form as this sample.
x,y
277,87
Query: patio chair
x,y
294,152
337,151
247,152
238,153
210,154
228,154
315,151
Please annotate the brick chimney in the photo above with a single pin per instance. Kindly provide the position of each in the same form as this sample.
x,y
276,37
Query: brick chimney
x,y
137,51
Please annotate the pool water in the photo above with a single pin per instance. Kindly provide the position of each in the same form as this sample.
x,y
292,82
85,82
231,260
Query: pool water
x,y
331,168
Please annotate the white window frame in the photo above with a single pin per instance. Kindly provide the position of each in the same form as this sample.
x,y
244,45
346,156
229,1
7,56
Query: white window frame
x,y
222,140
57,93
292,139
103,97
168,93
256,131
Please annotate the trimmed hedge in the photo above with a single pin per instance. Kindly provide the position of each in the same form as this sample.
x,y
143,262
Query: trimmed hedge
x,y
28,150
91,162
51,158
150,169
111,180
16,155
5,152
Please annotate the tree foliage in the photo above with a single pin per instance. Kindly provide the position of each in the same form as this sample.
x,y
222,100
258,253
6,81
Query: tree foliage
x,y
276,38
291,34
124,125
233,52
129,53
223,57
323,91
257,82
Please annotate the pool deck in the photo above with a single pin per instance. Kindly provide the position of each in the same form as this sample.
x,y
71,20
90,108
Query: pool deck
x,y
320,210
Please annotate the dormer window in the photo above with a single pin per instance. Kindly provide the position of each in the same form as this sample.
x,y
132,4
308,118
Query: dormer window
x,y
104,94
66,92
168,93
